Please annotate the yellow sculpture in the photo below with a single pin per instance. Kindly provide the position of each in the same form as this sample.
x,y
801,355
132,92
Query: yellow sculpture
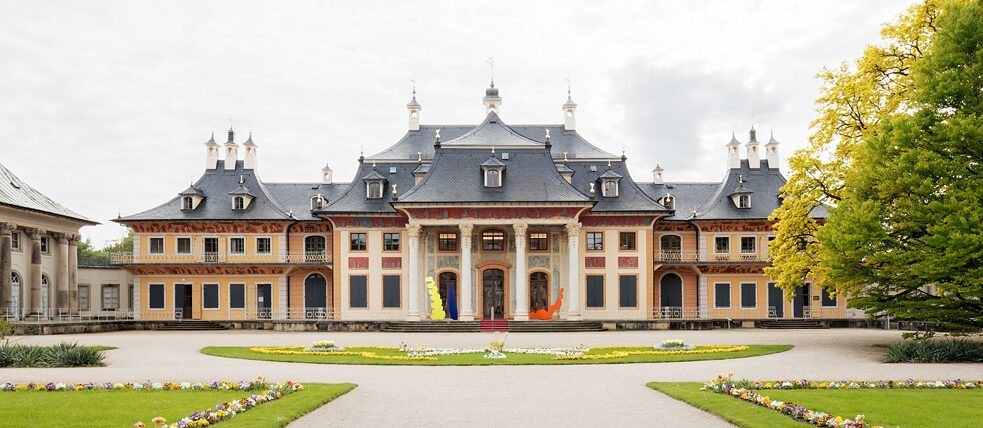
x,y
436,304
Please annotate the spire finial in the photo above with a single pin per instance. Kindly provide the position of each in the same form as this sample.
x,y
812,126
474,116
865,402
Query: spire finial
x,y
547,135
491,70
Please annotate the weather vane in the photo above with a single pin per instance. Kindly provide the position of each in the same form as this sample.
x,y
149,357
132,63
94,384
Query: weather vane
x,y
491,69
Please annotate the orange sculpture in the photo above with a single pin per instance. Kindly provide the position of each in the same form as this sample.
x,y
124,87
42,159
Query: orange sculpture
x,y
542,314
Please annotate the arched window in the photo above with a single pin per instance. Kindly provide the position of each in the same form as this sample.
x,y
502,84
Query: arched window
x,y
187,203
374,190
493,178
493,240
446,285
238,203
317,202
15,294
610,188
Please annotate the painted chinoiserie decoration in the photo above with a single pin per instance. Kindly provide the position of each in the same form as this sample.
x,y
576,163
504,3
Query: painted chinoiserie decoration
x,y
436,304
543,314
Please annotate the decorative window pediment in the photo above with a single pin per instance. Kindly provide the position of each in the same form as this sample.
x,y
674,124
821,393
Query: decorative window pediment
x,y
494,171
610,184
374,185
190,198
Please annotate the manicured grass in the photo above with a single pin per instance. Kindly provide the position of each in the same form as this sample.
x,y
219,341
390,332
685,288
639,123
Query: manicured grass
x,y
121,408
479,360
886,407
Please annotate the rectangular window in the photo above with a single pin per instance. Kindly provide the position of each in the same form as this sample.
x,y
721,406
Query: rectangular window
x,y
358,291
493,240
15,240
390,241
44,245
539,241
595,241
264,246
721,295
447,242
749,295
129,297
828,299
390,291
84,297
156,296
628,291
721,244
237,245
156,245
237,296
210,298
595,291
748,244
184,245
110,297
358,242
626,241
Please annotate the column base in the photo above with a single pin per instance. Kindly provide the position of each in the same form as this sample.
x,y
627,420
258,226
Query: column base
x,y
413,316
573,316
521,317
466,316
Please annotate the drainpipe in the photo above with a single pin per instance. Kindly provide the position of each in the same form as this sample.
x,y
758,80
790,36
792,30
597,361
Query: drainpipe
x,y
288,255
698,276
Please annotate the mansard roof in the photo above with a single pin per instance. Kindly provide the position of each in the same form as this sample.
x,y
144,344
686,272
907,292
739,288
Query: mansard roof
x,y
17,193
630,197
493,132
354,201
296,197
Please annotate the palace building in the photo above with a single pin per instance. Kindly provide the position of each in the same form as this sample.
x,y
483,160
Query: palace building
x,y
510,222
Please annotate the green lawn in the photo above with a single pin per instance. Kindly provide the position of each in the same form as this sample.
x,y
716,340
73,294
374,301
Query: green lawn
x,y
893,407
478,359
118,408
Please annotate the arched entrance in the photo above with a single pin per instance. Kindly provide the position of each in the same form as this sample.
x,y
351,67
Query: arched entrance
x,y
493,294
539,291
671,296
447,282
315,296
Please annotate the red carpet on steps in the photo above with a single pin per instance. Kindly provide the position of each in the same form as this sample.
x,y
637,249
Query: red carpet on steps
x,y
494,325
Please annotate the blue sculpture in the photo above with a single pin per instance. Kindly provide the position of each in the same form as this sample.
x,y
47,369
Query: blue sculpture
x,y
452,302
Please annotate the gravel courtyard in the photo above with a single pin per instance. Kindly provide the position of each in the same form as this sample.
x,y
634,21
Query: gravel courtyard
x,y
541,396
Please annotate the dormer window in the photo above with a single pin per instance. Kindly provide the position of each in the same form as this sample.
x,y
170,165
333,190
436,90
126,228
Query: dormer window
x,y
187,203
668,201
741,196
238,203
744,201
190,198
610,184
241,196
493,170
317,203
373,190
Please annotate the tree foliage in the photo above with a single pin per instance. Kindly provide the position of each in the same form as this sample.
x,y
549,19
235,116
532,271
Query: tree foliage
x,y
906,238
88,255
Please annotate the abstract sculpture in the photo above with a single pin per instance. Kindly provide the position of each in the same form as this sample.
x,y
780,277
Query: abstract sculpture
x,y
542,314
452,301
436,305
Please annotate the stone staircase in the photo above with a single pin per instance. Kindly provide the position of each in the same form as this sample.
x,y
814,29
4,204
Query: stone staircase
x,y
538,326
191,325
494,325
791,323
450,326
445,326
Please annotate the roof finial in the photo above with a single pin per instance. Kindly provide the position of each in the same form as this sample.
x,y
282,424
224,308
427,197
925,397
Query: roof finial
x,y
373,163
419,156
493,149
609,163
437,135
491,70
565,157
547,135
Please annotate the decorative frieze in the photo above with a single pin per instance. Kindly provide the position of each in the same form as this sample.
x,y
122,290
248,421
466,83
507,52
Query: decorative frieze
x,y
358,262
674,226
735,226
539,261
496,213
713,269
368,222
628,262
444,262
594,262
207,270
311,227
392,262
208,227
616,220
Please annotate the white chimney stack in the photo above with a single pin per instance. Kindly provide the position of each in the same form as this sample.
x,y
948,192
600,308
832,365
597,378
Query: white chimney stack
x,y
326,175
414,110
753,157
733,152
771,152
249,161
231,152
211,154
657,174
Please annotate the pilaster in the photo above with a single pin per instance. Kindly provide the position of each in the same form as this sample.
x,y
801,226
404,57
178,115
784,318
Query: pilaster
x,y
34,293
6,285
413,232
703,302
467,302
573,247
61,282
521,279
73,270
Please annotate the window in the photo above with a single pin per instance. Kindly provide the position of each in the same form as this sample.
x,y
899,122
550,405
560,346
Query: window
x,y
110,297
595,241
129,297
669,201
156,296
626,241
392,170
748,244
373,190
237,245
210,300
628,291
390,291
156,246
264,246
390,241
83,297
493,178
238,203
187,203
184,245
358,292
595,291
749,296
721,295
15,240
493,240
744,201
539,241
357,241
317,202
721,244
237,296
44,245
609,188
447,242
828,299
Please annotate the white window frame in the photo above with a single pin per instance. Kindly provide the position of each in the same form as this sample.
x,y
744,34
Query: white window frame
x,y
177,245
744,201
15,241
604,188
187,203
218,296
150,245
716,250
88,301
45,245
239,203
232,248
498,177
245,295
102,297
754,240
163,286
270,246
371,187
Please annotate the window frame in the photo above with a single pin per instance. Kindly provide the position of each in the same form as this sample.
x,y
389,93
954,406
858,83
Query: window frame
x,y
754,244
716,246
614,188
371,187
150,296
587,293
441,240
187,203
233,285
150,246
269,245
716,294
597,245
754,294
498,175
45,245
490,236
621,241
240,239
102,297
177,245
364,243
399,292
204,296
545,240
621,291
365,284
743,201
88,301
239,203
15,241
824,299
387,241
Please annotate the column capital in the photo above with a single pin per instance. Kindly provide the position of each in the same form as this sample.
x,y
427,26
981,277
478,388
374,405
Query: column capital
x,y
6,228
73,239
520,228
59,236
466,229
413,230
573,228
36,233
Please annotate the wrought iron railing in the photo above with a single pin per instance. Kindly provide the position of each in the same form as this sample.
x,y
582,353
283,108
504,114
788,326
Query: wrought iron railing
x,y
675,313
320,257
695,257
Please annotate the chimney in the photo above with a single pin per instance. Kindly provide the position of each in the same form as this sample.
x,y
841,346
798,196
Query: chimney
x,y
326,175
771,152
733,152
753,157
249,162
211,154
414,110
569,113
657,174
231,152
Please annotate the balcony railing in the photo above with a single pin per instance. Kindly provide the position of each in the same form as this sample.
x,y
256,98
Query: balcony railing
x,y
320,257
695,257
675,313
244,314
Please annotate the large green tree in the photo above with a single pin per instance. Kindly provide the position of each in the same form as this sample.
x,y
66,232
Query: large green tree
x,y
906,236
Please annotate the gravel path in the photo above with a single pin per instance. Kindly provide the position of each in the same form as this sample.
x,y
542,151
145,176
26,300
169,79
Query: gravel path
x,y
540,396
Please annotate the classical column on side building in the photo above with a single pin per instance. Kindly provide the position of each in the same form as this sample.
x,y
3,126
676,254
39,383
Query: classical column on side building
x,y
73,271
413,231
6,285
34,297
61,283
521,280
573,291
467,304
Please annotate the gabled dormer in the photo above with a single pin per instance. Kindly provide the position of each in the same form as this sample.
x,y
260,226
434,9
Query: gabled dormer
x,y
610,184
565,172
191,197
741,196
494,172
668,201
374,185
241,196
318,202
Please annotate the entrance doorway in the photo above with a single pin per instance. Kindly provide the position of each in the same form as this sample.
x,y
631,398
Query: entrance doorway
x,y
539,291
182,301
264,301
447,285
315,296
801,301
493,297
776,301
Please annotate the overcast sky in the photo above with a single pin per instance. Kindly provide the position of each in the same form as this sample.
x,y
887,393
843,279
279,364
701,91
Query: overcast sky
x,y
104,105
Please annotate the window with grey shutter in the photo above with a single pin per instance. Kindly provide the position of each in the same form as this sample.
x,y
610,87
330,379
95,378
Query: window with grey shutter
x,y
237,296
721,295
595,291
390,291
357,292
156,296
749,296
211,296
628,293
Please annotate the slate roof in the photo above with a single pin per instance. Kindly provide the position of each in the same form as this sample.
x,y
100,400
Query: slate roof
x,y
354,200
630,197
17,193
296,197
492,132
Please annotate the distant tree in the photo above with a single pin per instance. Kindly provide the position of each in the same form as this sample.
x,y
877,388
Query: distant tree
x,y
123,245
88,255
906,238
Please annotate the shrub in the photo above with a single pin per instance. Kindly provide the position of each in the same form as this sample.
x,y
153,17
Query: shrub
x,y
935,351
60,355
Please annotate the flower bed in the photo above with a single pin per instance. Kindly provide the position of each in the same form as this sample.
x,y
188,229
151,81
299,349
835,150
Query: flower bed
x,y
621,352
225,411
155,386
299,350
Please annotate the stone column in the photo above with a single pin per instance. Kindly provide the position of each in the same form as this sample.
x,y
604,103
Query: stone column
x,y
413,265
61,282
33,299
467,304
521,279
6,286
73,281
573,291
